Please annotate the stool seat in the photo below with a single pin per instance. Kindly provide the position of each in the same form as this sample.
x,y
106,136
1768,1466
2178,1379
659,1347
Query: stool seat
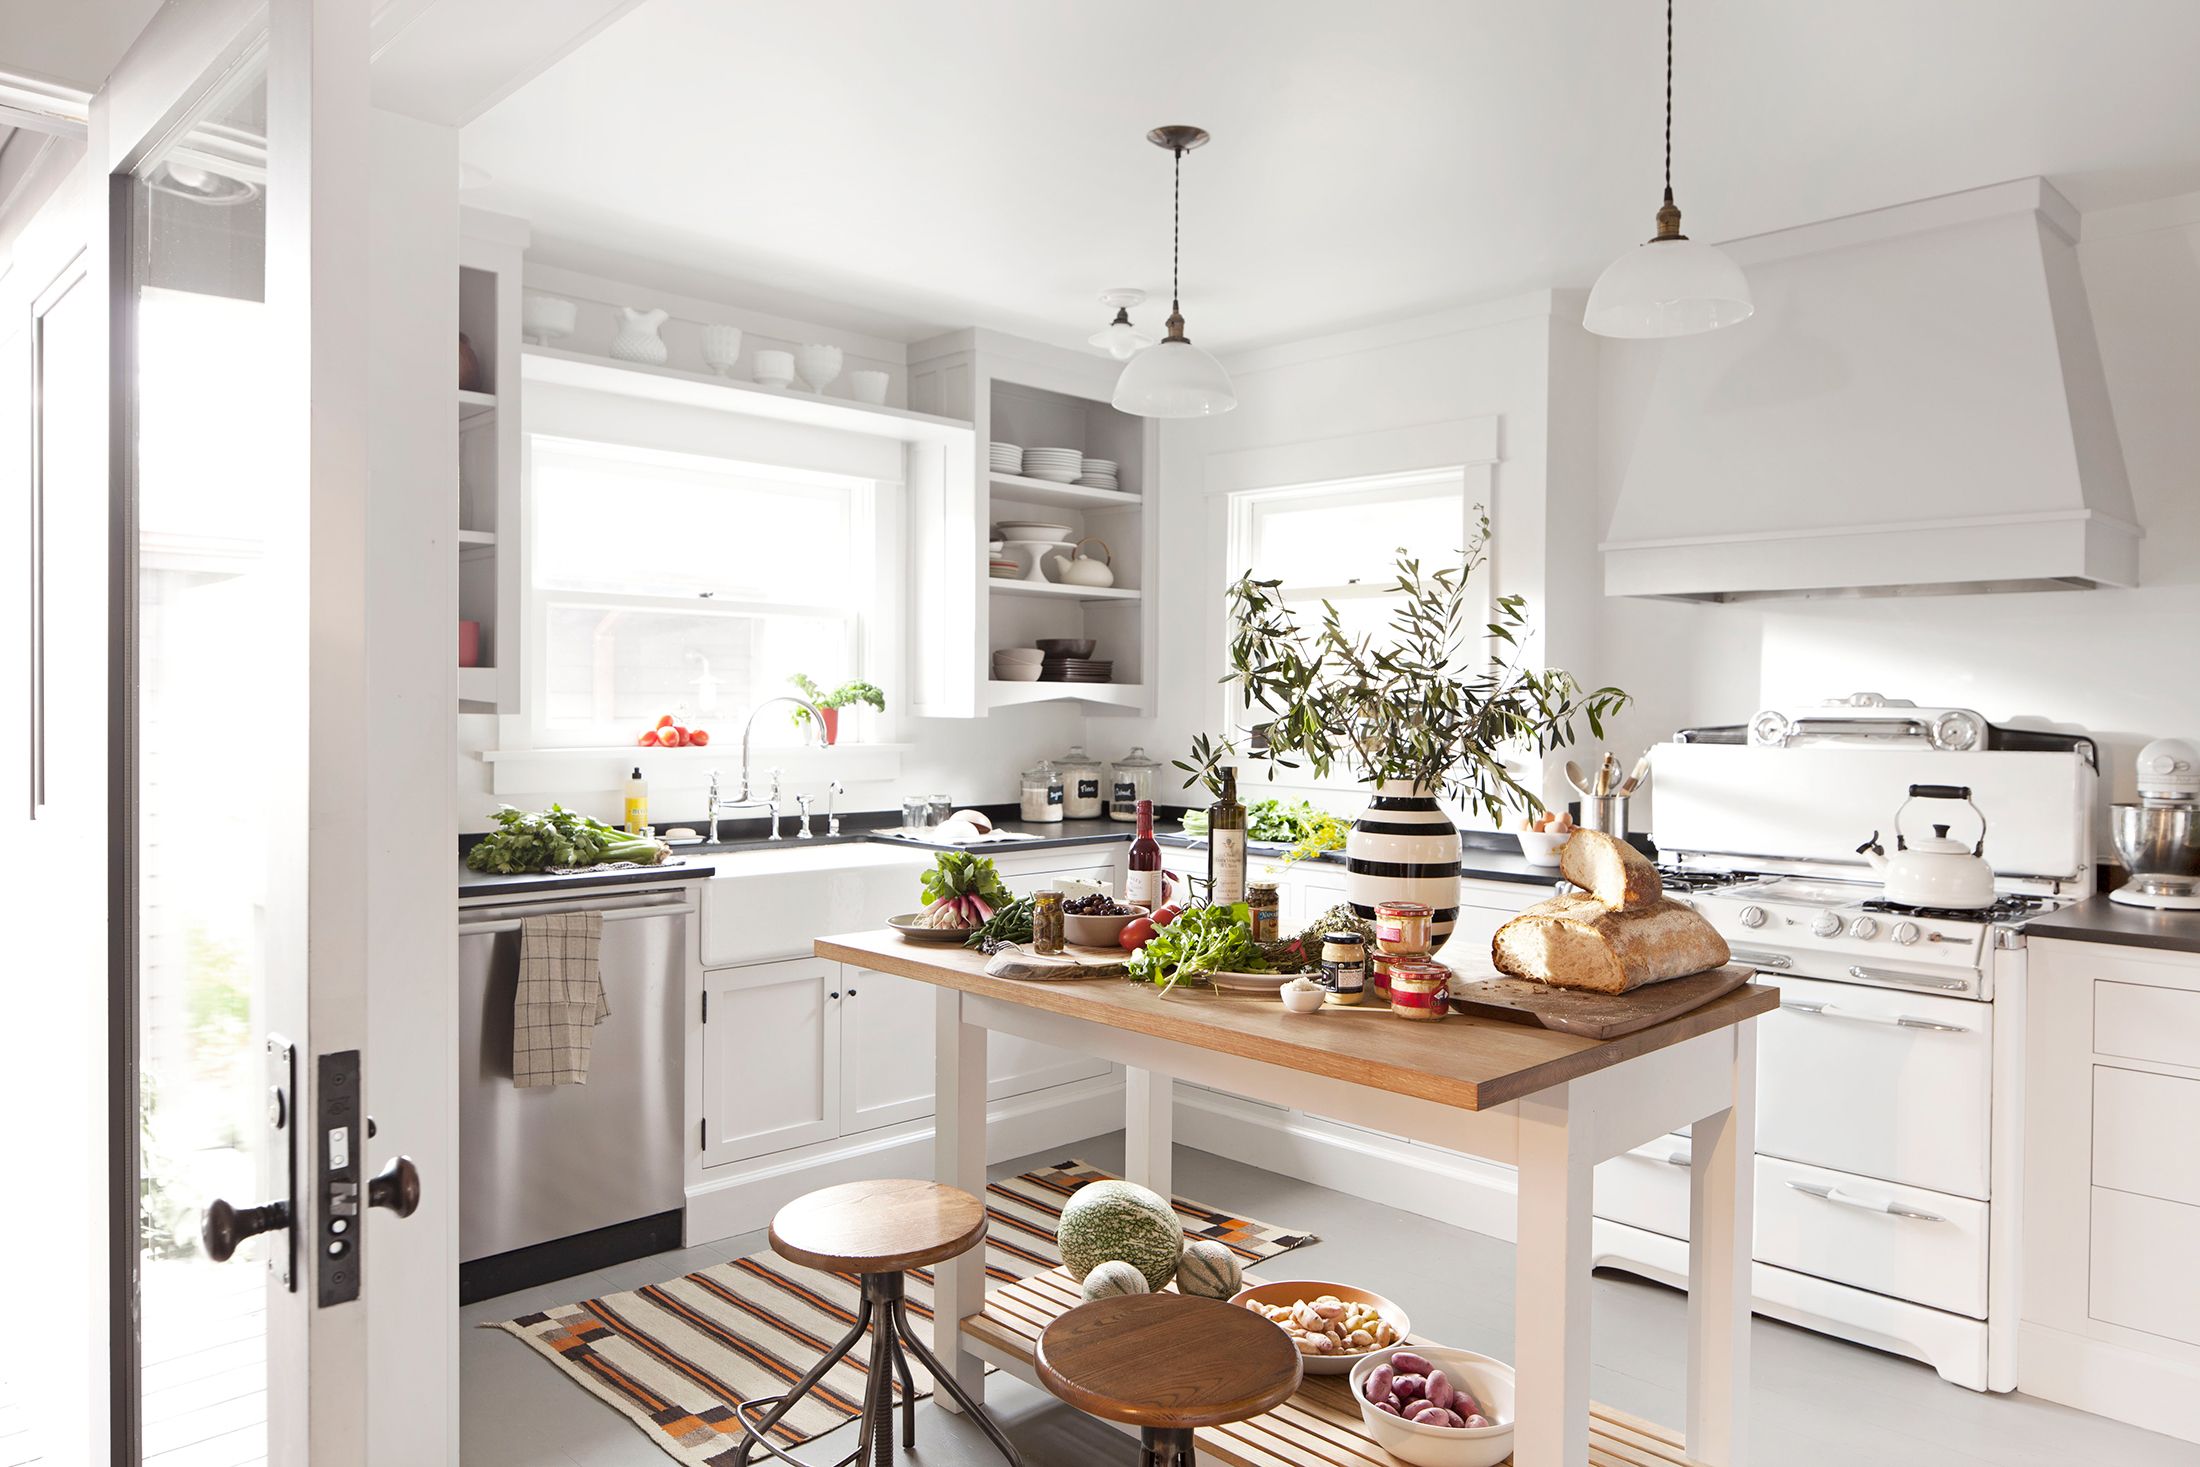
x,y
1167,1362
878,1227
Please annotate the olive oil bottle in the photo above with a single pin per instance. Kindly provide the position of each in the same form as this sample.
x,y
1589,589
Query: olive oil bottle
x,y
1226,844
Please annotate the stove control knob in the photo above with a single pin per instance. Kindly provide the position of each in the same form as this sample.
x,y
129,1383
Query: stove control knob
x,y
1825,924
1905,933
1753,916
1864,927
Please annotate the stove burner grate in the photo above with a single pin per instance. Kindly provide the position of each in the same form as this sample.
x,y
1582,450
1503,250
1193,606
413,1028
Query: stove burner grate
x,y
2009,907
1686,878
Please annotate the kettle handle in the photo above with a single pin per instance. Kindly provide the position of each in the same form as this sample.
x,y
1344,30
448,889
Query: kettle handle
x,y
1941,792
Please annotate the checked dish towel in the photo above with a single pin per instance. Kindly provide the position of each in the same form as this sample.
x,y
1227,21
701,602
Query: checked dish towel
x,y
560,999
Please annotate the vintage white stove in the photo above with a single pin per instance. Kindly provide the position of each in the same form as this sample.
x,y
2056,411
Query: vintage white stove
x,y
1890,1084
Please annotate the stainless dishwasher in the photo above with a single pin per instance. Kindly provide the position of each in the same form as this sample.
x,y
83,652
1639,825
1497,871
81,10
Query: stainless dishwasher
x,y
550,1163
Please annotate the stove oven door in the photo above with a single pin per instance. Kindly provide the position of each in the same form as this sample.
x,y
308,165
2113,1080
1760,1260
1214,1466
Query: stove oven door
x,y
1877,1082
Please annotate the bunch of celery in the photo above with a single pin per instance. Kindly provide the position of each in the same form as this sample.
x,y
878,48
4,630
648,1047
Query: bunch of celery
x,y
539,840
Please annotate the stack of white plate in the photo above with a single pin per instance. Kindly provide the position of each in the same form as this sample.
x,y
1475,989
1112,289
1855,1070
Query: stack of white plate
x,y
1098,473
1018,664
1055,465
1007,458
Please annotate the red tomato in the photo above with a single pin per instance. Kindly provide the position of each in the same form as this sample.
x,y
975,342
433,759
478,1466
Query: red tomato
x,y
673,736
1135,933
649,739
667,721
698,737
1167,915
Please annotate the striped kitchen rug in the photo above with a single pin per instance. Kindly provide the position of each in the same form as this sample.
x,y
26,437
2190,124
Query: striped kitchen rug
x,y
676,1357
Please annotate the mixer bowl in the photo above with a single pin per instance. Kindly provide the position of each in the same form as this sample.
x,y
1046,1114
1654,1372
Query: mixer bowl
x,y
2158,839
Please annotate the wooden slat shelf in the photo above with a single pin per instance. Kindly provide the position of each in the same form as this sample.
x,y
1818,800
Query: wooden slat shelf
x,y
1318,1427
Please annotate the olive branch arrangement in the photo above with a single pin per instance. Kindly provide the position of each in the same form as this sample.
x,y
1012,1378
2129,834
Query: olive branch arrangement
x,y
1416,707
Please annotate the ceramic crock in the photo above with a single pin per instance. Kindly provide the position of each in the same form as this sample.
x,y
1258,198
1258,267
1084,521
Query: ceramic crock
x,y
1404,848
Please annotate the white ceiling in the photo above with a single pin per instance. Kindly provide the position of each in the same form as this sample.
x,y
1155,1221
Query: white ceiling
x,y
936,164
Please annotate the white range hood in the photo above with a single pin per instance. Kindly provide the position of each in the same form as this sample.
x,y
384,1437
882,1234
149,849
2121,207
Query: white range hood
x,y
1917,405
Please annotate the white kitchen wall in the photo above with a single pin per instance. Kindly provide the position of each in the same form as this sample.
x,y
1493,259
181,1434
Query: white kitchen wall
x,y
2115,664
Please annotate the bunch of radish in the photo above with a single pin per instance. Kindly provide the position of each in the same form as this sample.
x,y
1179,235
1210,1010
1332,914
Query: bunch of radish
x,y
1407,1386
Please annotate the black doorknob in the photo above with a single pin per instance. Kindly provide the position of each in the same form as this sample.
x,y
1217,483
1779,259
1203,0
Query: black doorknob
x,y
396,1186
224,1227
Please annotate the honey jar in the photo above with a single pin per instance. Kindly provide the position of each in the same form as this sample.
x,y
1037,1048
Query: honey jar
x,y
1417,988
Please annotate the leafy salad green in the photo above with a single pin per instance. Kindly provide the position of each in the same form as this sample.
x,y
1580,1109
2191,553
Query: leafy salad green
x,y
537,840
1201,940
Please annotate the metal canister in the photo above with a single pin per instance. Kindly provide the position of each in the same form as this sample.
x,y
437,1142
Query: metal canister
x,y
1418,988
1266,910
1344,967
1046,922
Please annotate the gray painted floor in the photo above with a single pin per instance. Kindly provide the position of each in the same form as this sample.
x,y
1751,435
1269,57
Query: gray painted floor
x,y
1815,1402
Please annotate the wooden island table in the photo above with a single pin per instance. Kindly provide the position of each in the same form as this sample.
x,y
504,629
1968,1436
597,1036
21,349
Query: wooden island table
x,y
1553,1105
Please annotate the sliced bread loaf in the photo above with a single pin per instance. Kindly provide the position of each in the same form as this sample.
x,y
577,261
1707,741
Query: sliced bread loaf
x,y
1609,869
1579,942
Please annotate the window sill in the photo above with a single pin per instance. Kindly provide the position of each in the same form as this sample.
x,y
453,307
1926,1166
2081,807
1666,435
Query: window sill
x,y
563,771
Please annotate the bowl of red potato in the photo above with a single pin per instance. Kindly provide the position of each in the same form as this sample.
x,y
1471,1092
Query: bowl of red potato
x,y
1436,1407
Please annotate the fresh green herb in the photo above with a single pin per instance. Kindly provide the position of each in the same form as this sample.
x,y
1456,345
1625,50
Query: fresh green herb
x,y
1201,940
962,890
1305,827
856,691
538,840
1007,925
1336,919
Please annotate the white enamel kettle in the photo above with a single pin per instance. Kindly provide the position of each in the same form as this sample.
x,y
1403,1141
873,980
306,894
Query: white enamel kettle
x,y
1080,569
1934,871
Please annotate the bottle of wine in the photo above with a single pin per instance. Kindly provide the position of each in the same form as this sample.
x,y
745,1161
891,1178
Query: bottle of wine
x,y
1142,887
1226,844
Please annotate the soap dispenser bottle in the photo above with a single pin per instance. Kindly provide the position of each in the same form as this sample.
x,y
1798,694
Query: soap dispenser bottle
x,y
637,803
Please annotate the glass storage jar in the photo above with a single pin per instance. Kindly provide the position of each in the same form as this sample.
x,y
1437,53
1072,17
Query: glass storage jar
x,y
1041,794
1082,798
1131,779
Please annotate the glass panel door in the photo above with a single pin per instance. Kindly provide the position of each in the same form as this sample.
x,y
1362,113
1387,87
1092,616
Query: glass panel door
x,y
201,525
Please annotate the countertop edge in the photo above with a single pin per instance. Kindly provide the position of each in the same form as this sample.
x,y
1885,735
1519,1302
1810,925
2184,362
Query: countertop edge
x,y
2112,924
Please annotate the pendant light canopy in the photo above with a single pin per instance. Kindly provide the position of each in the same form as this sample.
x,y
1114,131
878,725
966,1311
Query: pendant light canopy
x,y
1173,378
1121,338
1671,285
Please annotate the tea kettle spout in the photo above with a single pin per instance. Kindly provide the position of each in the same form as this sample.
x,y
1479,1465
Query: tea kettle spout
x,y
1872,851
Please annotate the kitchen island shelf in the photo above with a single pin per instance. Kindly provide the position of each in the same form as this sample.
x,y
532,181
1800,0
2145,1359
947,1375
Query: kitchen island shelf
x,y
1020,489
1006,587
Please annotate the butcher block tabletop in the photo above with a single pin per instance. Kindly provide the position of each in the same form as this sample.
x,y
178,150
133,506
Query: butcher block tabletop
x,y
1466,1061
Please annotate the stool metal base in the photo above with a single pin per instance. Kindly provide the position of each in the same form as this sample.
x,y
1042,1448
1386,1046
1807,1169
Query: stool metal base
x,y
884,1311
1166,1446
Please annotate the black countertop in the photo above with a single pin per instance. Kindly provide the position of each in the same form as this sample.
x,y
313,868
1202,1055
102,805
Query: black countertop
x,y
2097,919
482,884
1048,835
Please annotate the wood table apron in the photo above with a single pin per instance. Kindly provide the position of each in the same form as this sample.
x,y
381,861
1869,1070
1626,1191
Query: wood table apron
x,y
1553,1105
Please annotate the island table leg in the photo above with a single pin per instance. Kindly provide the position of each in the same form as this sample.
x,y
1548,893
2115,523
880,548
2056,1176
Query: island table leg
x,y
1149,1129
1721,1181
1551,1283
958,1160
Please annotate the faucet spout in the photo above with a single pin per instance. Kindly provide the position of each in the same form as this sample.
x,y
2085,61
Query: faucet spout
x,y
815,727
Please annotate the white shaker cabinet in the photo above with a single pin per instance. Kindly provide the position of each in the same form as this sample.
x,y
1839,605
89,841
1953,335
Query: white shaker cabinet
x,y
886,1049
771,1058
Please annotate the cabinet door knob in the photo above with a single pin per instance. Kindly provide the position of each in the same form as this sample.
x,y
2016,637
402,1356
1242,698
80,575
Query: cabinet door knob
x,y
851,993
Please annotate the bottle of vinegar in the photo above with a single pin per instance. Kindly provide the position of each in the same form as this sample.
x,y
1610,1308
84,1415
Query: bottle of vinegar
x,y
1226,844
1142,887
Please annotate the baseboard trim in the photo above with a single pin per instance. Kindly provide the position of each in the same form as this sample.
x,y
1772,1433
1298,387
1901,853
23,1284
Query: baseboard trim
x,y
744,1199
2116,1381
1462,1191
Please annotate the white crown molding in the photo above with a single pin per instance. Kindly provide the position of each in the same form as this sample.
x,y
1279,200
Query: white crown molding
x,y
43,105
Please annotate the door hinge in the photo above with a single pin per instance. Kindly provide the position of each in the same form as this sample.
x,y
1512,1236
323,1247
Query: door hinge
x,y
706,1006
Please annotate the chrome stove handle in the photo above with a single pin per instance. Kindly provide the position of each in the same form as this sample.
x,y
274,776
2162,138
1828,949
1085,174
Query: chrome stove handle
x,y
1905,980
1758,957
1836,1196
1898,1021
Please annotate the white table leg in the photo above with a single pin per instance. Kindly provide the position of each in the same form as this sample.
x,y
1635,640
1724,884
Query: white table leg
x,y
1551,1284
1149,1129
1721,1184
958,1159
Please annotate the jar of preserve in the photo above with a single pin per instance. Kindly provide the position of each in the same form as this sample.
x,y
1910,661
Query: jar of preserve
x,y
1131,779
1266,909
1403,927
1344,968
1418,989
1041,797
1378,976
1082,798
1046,922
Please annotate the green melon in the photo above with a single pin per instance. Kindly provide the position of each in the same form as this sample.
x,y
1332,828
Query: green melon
x,y
1120,1220
1208,1269
1115,1277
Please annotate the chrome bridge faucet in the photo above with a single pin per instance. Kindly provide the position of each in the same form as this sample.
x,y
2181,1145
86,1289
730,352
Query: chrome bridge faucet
x,y
813,728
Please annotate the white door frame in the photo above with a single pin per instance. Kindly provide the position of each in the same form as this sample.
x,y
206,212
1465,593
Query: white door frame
x,y
316,53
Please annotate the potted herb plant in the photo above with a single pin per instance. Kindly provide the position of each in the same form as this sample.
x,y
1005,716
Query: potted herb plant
x,y
829,704
1426,713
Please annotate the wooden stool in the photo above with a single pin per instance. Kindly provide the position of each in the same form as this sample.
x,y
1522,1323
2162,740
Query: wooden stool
x,y
876,1229
1167,1364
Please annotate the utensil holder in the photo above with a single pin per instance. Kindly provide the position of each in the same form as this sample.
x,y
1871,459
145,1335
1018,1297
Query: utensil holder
x,y
1607,813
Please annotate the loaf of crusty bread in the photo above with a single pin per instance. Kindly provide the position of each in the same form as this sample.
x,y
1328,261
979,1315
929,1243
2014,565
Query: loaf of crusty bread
x,y
1579,942
1609,869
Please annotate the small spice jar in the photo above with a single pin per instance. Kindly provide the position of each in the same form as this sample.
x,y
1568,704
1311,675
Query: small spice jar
x,y
1403,927
1046,922
1417,989
1041,794
1344,968
1267,909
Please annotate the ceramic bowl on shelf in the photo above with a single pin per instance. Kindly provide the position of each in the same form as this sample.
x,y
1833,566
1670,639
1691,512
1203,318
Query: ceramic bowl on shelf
x,y
775,368
1015,672
1541,847
1489,1381
1072,647
547,318
869,387
1027,530
721,348
1292,1291
819,365
1032,655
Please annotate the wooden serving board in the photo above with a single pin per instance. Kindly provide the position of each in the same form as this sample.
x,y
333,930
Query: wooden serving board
x,y
1075,963
1597,1015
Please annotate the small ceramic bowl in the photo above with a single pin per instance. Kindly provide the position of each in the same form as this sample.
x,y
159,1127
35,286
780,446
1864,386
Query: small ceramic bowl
x,y
1016,672
1300,997
1489,1381
1088,931
1541,847
1067,646
1289,1291
1031,655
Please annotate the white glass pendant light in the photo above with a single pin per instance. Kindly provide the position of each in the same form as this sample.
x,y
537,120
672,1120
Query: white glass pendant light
x,y
1671,285
1173,378
1121,338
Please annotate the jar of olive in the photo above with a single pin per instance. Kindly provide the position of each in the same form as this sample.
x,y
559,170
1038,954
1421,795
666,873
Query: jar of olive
x,y
1046,922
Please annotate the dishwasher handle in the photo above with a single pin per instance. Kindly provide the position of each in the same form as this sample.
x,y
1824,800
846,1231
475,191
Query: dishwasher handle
x,y
474,921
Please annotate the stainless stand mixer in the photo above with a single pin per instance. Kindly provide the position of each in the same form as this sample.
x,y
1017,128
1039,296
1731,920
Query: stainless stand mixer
x,y
2159,837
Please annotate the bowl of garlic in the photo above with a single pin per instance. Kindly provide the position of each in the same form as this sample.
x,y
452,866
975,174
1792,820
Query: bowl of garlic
x,y
1334,1326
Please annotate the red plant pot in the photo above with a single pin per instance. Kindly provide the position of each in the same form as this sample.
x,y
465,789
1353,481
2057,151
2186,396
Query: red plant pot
x,y
832,725
469,644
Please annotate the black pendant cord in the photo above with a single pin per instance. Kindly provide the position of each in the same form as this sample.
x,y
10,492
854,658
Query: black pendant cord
x,y
1669,101
1176,228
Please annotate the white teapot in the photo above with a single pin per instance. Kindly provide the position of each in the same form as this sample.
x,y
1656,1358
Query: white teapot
x,y
1080,569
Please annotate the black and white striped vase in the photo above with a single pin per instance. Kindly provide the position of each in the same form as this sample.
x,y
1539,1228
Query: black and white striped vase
x,y
1404,848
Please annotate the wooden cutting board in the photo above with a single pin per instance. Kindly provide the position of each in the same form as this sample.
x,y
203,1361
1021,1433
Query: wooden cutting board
x,y
1074,964
1597,1015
